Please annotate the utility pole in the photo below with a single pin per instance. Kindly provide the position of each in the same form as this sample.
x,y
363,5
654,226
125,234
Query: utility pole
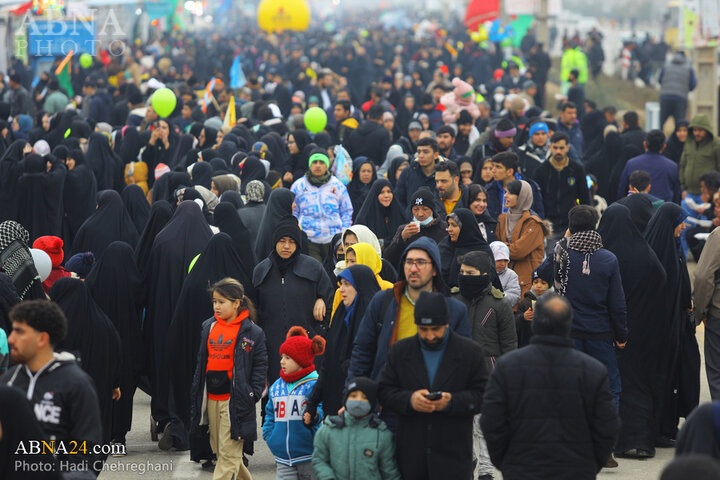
x,y
706,93
542,32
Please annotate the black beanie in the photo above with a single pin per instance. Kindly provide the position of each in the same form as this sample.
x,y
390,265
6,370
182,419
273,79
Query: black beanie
x,y
423,197
288,227
431,309
366,385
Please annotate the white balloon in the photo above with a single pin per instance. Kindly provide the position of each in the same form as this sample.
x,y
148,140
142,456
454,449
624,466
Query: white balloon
x,y
42,262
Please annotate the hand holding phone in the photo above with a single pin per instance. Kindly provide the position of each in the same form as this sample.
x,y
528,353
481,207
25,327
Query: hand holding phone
x,y
432,396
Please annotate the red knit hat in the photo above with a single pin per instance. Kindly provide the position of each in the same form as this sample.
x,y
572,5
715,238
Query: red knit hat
x,y
53,246
301,348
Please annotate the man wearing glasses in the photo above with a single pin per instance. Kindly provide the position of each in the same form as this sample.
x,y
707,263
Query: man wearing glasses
x,y
390,315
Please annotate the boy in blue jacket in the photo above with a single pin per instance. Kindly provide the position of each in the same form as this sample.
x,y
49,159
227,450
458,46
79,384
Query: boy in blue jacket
x,y
289,440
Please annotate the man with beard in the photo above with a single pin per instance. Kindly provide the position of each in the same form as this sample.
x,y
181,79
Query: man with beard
x,y
61,394
434,382
563,185
447,182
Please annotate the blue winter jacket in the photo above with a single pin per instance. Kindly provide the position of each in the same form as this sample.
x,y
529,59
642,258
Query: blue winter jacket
x,y
598,299
372,344
322,211
284,431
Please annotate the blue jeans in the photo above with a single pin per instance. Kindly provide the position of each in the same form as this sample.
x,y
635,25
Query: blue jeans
x,y
604,352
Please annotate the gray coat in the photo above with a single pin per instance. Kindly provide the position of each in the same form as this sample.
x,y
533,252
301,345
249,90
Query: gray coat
x,y
492,323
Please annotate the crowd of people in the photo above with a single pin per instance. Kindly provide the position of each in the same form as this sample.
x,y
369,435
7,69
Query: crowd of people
x,y
436,284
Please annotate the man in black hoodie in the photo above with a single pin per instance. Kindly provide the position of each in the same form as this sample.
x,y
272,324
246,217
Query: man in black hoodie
x,y
61,394
370,139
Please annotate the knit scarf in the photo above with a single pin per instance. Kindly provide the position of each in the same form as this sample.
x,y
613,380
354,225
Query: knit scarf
x,y
294,377
540,152
587,242
318,181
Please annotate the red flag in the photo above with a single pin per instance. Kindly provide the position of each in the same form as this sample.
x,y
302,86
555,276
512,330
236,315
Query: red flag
x,y
480,11
22,8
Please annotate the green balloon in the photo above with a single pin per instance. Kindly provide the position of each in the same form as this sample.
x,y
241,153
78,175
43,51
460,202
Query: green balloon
x,y
163,102
315,119
86,60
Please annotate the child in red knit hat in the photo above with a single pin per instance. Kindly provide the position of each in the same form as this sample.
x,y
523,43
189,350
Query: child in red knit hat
x,y
290,441
53,246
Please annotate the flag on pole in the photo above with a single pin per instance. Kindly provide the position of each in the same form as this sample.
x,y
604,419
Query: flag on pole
x,y
230,120
237,76
207,98
64,74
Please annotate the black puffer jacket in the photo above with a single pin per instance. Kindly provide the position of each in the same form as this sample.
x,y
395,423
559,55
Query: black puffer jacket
x,y
250,366
548,412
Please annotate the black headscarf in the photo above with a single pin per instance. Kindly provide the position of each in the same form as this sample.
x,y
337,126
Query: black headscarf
x,y
20,426
679,359
164,188
251,169
228,221
79,196
105,164
136,205
234,198
628,152
603,162
275,144
673,146
16,260
485,218
217,261
331,258
115,284
383,221
279,207
130,145
108,223
184,146
210,137
245,134
10,171
357,190
59,125
219,166
8,299
641,209
40,195
469,239
92,337
226,150
160,214
394,165
202,173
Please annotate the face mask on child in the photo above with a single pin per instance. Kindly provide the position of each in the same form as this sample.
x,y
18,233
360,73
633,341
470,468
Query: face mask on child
x,y
357,408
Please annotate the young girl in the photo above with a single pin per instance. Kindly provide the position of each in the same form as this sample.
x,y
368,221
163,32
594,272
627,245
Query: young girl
x,y
230,377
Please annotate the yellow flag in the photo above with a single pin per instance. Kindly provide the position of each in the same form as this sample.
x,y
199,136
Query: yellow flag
x,y
230,119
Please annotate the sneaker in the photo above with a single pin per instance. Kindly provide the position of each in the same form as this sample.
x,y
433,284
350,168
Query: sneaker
x,y
636,453
167,442
611,463
208,466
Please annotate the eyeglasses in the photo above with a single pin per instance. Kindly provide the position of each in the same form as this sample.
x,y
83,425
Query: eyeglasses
x,y
420,263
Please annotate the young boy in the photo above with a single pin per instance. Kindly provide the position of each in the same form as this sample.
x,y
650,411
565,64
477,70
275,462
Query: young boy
x,y
356,443
525,309
288,439
508,278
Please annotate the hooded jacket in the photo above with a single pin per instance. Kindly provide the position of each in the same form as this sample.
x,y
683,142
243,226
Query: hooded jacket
x,y
378,328
63,398
699,158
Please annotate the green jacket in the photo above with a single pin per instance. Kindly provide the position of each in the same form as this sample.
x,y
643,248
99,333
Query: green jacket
x,y
492,322
349,448
55,102
699,158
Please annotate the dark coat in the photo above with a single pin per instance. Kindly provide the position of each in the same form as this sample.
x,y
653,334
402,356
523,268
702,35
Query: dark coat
x,y
411,179
286,301
369,140
250,365
425,436
548,412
